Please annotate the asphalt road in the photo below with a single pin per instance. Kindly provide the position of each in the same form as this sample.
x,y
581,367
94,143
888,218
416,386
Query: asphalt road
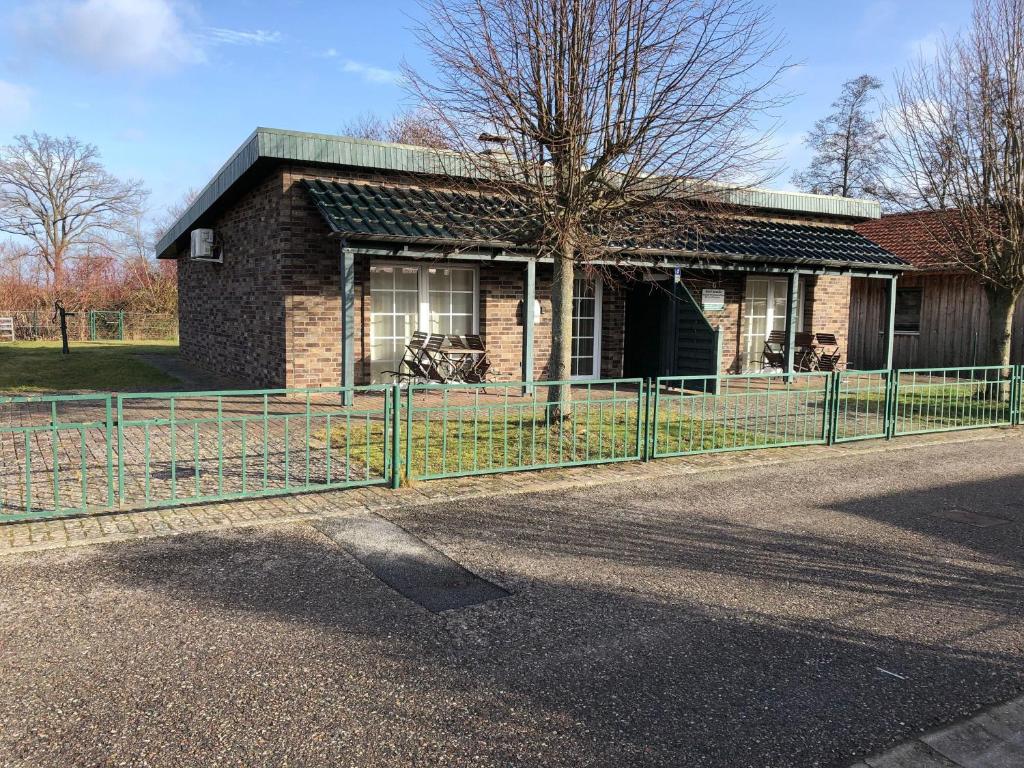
x,y
797,615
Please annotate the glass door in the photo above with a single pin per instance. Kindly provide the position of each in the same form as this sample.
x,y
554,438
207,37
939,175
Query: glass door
x,y
764,311
394,315
586,328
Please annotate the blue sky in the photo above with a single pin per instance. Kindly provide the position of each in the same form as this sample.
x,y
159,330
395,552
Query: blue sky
x,y
168,89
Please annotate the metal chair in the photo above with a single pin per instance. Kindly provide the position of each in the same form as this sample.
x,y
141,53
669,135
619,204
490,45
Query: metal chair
x,y
773,356
829,356
806,357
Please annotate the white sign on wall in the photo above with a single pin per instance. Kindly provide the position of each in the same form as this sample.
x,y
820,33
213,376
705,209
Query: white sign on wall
x,y
713,299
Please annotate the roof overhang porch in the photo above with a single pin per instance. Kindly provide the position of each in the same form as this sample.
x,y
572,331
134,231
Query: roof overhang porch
x,y
648,261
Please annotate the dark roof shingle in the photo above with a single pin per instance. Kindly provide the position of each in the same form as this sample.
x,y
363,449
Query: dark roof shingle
x,y
415,214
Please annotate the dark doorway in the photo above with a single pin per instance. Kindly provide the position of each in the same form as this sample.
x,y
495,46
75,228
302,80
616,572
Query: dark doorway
x,y
648,330
667,333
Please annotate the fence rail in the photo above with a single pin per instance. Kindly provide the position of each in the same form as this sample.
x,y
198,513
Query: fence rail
x,y
94,325
73,454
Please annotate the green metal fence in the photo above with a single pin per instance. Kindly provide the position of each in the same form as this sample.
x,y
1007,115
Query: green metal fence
x,y
465,429
860,405
210,446
72,454
706,414
56,455
945,399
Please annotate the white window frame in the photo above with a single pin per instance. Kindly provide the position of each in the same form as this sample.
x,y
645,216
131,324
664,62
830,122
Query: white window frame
x,y
423,288
769,296
598,312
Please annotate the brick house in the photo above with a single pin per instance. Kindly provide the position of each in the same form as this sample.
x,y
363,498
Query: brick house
x,y
329,263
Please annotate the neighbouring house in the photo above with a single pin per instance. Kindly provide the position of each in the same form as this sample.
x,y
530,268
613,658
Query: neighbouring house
x,y
328,252
941,309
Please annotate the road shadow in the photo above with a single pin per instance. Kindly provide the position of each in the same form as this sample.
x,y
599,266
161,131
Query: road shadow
x,y
607,669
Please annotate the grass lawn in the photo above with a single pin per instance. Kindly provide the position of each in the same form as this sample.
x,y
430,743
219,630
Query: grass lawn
x,y
39,366
464,443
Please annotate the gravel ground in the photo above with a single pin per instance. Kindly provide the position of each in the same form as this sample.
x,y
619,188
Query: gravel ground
x,y
794,615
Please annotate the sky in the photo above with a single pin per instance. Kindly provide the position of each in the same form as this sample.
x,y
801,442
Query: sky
x,y
168,89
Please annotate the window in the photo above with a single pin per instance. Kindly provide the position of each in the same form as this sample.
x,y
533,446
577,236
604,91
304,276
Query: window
x,y
406,298
452,300
394,315
908,310
764,311
586,328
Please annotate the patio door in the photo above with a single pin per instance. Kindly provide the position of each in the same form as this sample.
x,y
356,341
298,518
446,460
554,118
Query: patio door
x,y
410,297
764,311
586,328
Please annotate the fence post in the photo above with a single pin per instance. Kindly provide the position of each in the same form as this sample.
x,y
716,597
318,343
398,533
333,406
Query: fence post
x,y
408,432
396,421
109,433
1016,389
120,325
651,430
832,407
120,450
892,392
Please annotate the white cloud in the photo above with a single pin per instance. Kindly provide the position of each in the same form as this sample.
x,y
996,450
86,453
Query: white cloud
x,y
133,35
241,37
372,74
330,53
15,104
112,34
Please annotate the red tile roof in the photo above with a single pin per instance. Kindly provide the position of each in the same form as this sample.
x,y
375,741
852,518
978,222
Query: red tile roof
x,y
917,238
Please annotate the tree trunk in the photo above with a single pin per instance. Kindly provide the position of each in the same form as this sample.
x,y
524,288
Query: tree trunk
x,y
560,363
1001,305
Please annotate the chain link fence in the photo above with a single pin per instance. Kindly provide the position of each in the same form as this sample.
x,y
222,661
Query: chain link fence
x,y
94,325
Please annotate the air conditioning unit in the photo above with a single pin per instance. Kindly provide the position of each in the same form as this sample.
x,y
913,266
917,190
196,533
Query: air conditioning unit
x,y
204,248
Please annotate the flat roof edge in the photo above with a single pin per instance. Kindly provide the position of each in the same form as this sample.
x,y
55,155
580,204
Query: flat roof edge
x,y
296,146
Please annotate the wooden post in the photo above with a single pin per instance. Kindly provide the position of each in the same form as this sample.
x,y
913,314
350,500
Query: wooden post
x,y
792,288
890,324
529,299
348,322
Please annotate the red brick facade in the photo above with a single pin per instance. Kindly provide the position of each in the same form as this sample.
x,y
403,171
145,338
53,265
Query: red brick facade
x,y
270,315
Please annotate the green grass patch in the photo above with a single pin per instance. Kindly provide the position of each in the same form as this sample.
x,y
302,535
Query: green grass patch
x,y
465,442
935,406
39,366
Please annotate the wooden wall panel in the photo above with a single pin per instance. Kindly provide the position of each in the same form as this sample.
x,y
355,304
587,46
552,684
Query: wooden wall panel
x,y
954,324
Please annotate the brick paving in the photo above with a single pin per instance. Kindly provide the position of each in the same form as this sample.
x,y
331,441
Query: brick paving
x,y
168,521
993,738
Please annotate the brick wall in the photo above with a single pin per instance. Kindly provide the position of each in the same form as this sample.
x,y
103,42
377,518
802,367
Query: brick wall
x,y
232,314
827,307
728,319
271,314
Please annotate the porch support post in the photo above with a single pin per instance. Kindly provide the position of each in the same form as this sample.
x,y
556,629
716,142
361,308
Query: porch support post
x,y
792,286
348,323
890,322
529,297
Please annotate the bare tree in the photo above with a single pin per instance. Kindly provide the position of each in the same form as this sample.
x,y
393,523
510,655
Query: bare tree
x,y
956,148
55,193
415,128
614,120
847,144
145,243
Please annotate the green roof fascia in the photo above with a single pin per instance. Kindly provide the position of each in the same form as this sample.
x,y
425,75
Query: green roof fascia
x,y
278,144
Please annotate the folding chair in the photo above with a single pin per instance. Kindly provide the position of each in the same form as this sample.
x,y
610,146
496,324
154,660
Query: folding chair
x,y
479,365
830,356
806,357
773,356
437,363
